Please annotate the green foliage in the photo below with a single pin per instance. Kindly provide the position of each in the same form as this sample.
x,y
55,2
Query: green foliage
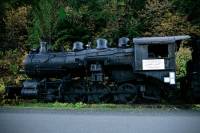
x,y
42,21
159,18
14,68
2,87
191,8
34,34
10,63
16,26
63,22
84,21
182,57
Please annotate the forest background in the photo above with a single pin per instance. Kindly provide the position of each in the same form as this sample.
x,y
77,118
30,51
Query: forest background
x,y
23,23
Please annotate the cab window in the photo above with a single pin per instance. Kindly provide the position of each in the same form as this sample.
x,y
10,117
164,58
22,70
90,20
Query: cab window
x,y
157,51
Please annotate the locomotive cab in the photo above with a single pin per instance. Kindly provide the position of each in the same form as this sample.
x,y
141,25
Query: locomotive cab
x,y
155,57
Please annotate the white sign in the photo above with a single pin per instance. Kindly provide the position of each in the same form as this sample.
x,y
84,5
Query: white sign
x,y
170,79
153,64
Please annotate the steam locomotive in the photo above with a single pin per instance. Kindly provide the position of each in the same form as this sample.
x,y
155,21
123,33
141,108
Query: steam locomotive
x,y
123,74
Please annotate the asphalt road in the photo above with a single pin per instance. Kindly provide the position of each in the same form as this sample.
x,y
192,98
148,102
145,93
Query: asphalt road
x,y
90,121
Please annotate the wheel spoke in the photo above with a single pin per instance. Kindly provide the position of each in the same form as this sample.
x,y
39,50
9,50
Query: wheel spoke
x,y
77,94
99,94
128,93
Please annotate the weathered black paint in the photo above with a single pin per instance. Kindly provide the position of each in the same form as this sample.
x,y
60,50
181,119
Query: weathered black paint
x,y
96,67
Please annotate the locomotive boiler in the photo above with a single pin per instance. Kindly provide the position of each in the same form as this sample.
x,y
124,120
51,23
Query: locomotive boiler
x,y
123,74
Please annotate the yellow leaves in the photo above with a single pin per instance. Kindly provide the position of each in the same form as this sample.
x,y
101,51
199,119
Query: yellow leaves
x,y
10,63
173,24
68,10
182,57
2,87
160,19
16,21
17,17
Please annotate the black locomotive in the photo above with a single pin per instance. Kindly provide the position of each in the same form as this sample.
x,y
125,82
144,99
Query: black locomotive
x,y
122,75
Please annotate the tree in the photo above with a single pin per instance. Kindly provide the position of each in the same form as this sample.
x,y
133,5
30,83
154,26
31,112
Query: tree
x,y
16,27
44,20
159,18
189,7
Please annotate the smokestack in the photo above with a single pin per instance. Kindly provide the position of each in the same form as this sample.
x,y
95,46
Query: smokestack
x,y
43,47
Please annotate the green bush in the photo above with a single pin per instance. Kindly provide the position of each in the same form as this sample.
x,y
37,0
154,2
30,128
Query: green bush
x,y
10,63
182,57
2,88
16,27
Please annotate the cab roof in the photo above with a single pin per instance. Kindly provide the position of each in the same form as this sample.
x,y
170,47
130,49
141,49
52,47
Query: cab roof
x,y
159,40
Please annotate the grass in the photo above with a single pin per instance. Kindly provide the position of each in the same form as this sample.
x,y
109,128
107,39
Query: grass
x,y
81,105
56,105
196,107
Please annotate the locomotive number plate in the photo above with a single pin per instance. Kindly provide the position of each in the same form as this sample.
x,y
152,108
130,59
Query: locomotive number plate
x,y
153,64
